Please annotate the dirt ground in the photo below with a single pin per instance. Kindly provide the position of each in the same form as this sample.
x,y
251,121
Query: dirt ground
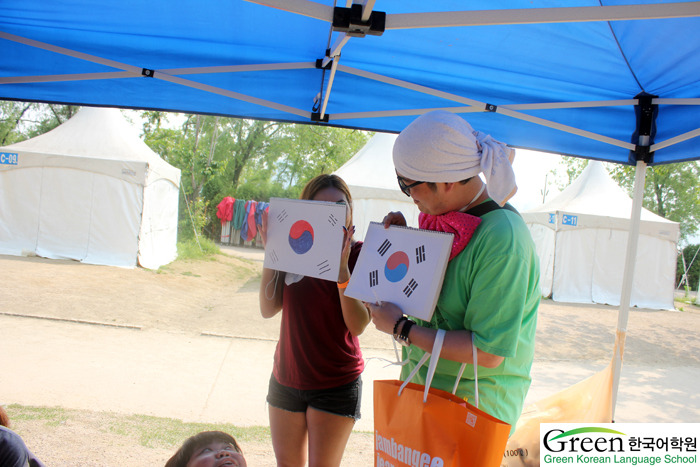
x,y
219,296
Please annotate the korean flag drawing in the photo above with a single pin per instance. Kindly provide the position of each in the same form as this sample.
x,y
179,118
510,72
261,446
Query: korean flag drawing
x,y
305,237
401,265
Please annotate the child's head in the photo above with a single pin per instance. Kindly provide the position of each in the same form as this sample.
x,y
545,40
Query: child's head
x,y
206,449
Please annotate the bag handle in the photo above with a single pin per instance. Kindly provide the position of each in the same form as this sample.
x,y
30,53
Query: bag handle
x,y
476,377
437,348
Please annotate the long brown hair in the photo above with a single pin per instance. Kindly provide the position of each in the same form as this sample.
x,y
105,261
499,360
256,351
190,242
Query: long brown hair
x,y
323,181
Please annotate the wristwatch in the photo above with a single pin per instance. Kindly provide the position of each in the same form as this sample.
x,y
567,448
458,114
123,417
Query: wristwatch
x,y
402,337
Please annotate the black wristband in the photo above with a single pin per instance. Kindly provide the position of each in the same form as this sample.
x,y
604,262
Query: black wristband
x,y
396,326
405,330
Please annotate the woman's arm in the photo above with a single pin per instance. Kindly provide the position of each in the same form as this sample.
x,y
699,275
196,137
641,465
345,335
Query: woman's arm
x,y
271,283
355,314
456,347
271,292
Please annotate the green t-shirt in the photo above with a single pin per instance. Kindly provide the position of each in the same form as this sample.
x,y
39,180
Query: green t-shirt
x,y
491,288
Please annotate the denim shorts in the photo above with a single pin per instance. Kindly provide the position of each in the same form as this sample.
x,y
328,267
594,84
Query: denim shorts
x,y
342,400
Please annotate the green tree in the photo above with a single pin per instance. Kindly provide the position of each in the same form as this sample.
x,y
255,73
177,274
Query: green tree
x,y
689,258
52,115
11,115
671,190
23,120
306,151
245,159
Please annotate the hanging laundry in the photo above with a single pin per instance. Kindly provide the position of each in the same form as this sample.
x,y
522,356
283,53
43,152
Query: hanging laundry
x,y
259,209
238,214
251,226
224,210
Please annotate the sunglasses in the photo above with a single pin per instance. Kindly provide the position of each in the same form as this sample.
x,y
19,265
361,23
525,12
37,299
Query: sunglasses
x,y
406,189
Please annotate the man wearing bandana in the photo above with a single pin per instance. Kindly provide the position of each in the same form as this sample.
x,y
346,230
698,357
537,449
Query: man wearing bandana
x,y
491,290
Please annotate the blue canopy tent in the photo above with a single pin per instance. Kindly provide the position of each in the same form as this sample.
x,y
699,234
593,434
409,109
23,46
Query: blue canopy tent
x,y
617,80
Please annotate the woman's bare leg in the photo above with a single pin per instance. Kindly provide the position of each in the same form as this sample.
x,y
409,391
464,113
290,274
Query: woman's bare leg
x,y
289,437
328,436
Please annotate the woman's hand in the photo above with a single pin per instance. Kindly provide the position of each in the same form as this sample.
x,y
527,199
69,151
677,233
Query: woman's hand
x,y
385,315
394,218
345,252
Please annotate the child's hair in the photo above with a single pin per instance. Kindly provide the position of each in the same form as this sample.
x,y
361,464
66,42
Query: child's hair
x,y
4,419
191,444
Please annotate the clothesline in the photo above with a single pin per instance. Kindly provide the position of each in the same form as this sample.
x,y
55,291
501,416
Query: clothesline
x,y
240,220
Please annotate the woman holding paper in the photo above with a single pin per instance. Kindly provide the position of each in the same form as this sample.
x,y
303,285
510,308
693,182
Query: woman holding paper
x,y
315,387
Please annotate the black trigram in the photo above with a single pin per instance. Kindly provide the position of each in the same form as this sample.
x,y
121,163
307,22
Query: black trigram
x,y
273,256
384,247
420,254
373,278
408,290
282,216
323,267
332,220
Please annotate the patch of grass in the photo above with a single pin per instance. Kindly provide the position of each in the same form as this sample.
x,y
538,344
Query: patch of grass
x,y
150,431
245,260
167,432
190,249
681,302
52,416
687,300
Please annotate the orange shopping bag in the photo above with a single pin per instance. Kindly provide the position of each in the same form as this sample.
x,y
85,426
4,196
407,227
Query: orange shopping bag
x,y
420,426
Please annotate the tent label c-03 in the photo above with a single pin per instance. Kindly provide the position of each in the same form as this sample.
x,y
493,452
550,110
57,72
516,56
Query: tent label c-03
x,y
9,158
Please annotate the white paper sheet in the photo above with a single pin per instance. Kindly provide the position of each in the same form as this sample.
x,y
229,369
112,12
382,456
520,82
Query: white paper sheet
x,y
305,237
401,265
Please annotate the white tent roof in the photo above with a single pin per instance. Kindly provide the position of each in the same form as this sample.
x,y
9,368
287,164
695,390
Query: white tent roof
x,y
99,133
598,201
594,192
372,181
371,171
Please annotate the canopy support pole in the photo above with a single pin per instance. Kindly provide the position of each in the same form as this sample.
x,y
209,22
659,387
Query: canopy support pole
x,y
628,278
643,138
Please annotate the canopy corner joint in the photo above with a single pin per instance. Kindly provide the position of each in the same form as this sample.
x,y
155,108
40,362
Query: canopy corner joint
x,y
329,63
643,137
316,117
148,73
349,21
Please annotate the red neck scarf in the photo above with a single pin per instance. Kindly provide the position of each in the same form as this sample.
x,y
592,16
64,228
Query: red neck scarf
x,y
461,224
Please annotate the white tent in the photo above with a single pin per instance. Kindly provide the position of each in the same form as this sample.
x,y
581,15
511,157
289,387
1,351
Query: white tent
x,y
581,238
89,190
371,177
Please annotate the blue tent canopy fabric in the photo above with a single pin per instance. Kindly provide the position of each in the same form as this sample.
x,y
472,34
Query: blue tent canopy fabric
x,y
561,77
